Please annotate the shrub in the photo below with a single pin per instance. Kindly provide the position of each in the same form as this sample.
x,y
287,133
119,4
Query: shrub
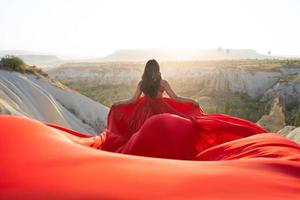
x,y
13,63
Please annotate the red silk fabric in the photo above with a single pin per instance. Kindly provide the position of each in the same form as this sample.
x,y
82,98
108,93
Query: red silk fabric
x,y
51,162
184,130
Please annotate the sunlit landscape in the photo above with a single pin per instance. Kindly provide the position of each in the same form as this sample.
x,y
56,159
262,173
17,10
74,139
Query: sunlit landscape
x,y
149,99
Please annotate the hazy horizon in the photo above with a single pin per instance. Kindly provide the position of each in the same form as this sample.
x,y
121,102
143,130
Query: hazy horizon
x,y
93,28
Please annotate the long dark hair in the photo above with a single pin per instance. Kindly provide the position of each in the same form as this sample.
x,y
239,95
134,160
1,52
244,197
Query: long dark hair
x,y
151,78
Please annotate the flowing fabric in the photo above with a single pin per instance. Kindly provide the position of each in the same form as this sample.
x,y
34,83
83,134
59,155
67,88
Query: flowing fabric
x,y
191,130
45,161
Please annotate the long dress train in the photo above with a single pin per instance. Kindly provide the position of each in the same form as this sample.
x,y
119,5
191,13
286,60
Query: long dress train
x,y
190,131
46,161
209,157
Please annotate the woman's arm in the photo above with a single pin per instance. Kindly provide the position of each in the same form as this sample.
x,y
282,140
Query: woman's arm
x,y
174,96
134,98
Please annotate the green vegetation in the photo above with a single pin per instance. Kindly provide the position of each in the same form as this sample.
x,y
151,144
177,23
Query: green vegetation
x,y
295,76
210,109
243,106
237,104
296,119
105,94
14,63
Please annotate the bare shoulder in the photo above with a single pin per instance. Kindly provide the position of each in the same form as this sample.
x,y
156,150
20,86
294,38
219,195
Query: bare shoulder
x,y
139,83
164,83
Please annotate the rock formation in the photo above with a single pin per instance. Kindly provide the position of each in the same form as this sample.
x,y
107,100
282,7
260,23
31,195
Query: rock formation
x,y
35,97
275,120
294,135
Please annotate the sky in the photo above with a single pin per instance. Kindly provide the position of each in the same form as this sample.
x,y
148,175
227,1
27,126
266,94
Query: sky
x,y
89,28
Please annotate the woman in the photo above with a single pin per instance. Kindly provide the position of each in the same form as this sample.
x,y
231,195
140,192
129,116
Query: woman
x,y
153,85
175,127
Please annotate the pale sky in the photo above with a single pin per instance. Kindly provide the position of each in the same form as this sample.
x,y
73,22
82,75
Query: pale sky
x,y
99,27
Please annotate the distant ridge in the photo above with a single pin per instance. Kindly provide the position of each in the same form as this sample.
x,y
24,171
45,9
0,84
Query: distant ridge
x,y
184,54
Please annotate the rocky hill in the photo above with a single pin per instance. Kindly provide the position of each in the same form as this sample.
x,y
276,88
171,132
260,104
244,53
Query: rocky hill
x,y
34,96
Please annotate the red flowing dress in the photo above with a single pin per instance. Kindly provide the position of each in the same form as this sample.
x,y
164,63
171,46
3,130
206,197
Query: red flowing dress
x,y
229,159
179,130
